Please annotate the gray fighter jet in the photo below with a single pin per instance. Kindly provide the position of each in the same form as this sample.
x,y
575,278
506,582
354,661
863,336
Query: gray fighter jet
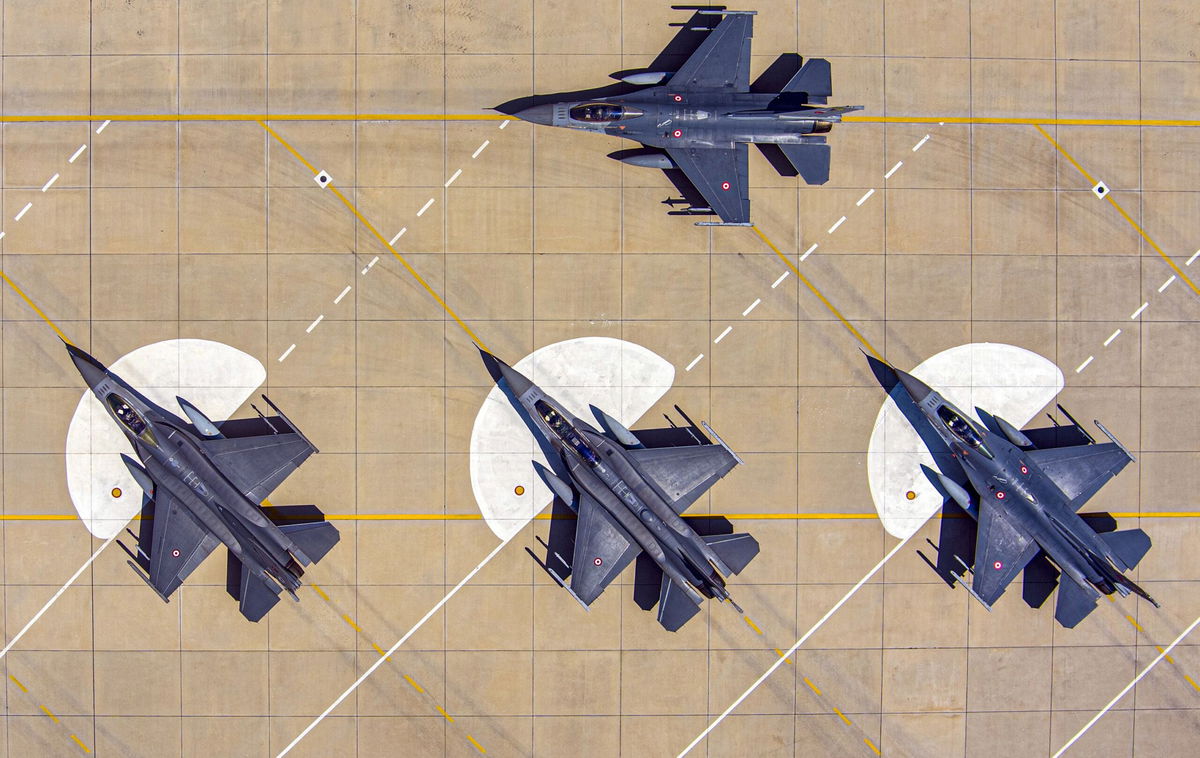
x,y
204,484
700,118
629,489
1027,487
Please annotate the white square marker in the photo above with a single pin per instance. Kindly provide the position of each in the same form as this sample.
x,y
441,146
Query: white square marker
x,y
1100,190
323,179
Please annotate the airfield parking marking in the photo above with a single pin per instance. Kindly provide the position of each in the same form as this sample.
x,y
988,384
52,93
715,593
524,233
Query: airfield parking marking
x,y
721,336
480,149
866,196
695,360
425,207
399,234
49,713
752,306
342,294
836,224
779,281
78,153
287,352
918,146
23,211
1167,283
453,176
811,249
1082,366
313,325
1112,337
1138,312
893,170
49,182
103,126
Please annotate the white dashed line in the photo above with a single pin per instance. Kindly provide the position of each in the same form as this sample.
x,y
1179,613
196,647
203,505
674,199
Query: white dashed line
x,y
287,352
721,336
809,251
429,202
102,126
920,144
695,360
399,234
1189,261
2,235
836,224
452,178
782,276
1112,337
1167,283
54,179
313,325
1138,312
78,153
893,170
864,198
344,292
23,211
504,123
753,305
367,267
1084,365
479,149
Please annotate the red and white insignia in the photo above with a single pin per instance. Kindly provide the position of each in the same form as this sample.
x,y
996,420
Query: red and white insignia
x,y
599,561
174,553
997,565
677,98
725,186
999,495
677,133
1024,470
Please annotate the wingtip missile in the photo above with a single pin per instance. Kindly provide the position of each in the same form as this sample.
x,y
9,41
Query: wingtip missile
x,y
202,423
140,475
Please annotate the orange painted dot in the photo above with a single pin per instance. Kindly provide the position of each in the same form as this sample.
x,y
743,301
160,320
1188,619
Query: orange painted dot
x,y
910,495
116,491
519,490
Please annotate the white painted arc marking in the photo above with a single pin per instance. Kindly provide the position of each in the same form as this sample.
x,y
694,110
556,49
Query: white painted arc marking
x,y
287,352
54,179
450,181
313,325
425,207
1128,687
1167,283
721,336
56,596
1112,337
918,146
479,149
893,170
1085,364
343,293
809,251
753,305
779,281
1138,312
1189,260
836,224
103,126
695,360
23,211
780,660
399,234
866,196
380,661
78,153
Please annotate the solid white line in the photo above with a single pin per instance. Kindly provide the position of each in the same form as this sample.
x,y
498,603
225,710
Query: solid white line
x,y
836,224
1112,337
1138,312
102,126
428,203
780,660
721,336
779,281
287,352
313,325
893,170
78,153
338,299
1189,260
1084,365
23,211
479,149
1127,688
809,251
452,178
1167,283
503,124
917,146
868,194
753,305
54,179
56,596
399,234
380,661
695,360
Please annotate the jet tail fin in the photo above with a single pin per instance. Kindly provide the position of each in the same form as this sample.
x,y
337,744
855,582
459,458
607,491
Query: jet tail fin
x,y
257,595
1129,546
313,538
814,79
1075,602
736,550
811,160
676,606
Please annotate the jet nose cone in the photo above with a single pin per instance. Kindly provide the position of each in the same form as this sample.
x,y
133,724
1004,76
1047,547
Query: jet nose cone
x,y
538,114
501,370
916,388
91,369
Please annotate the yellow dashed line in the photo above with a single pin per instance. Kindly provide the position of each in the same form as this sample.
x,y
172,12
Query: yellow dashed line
x,y
843,717
1133,621
1168,658
872,746
414,684
1192,682
46,711
442,711
350,621
476,744
780,654
811,686
17,682
319,591
752,625
79,742
379,650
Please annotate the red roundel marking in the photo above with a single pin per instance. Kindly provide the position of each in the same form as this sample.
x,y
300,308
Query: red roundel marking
x,y
997,565
677,133
677,98
175,553
999,495
725,186
599,561
1024,470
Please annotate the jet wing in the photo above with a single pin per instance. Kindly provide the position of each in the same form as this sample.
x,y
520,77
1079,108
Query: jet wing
x,y
602,550
683,473
722,61
721,176
258,464
178,546
1080,471
1002,549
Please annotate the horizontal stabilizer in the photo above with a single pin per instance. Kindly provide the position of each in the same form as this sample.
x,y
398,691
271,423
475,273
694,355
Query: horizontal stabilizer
x,y
258,596
1129,546
810,159
814,79
736,550
1075,602
313,538
675,605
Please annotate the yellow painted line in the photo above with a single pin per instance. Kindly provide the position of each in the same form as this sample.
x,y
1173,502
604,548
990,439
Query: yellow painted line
x,y
17,682
414,684
1128,219
812,288
47,711
350,621
1192,682
319,591
290,149
780,654
36,309
378,649
752,625
79,742
1133,621
1024,121
1168,658
843,717
872,746
811,686
173,117
476,744
442,711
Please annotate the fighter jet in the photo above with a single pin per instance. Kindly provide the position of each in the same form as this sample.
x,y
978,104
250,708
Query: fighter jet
x,y
629,489
700,118
204,484
1026,489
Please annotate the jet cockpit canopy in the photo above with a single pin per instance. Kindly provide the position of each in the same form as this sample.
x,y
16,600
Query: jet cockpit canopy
x,y
566,432
962,429
130,418
602,112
